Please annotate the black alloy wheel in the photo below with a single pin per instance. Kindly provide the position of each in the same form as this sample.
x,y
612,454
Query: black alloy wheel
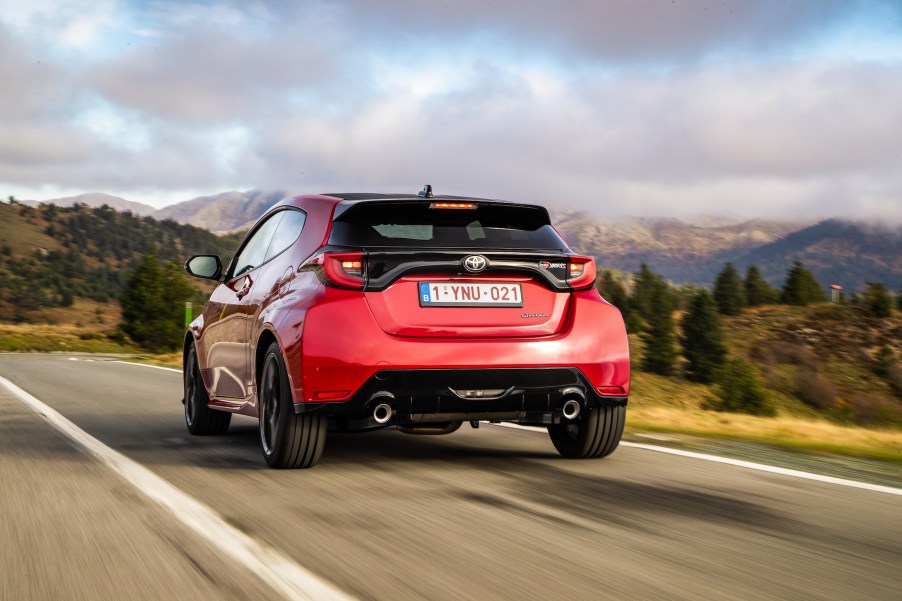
x,y
288,440
200,419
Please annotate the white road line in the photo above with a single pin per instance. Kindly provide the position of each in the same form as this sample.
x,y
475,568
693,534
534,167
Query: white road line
x,y
148,365
285,576
746,464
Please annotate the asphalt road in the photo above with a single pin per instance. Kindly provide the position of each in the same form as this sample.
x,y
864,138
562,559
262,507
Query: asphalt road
x,y
481,514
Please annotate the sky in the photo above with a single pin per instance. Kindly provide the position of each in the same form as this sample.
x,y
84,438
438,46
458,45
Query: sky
x,y
776,109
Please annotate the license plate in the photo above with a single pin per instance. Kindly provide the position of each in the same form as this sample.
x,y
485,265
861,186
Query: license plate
x,y
482,294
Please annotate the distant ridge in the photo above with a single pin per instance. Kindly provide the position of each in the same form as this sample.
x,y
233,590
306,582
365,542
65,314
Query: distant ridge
x,y
224,212
98,199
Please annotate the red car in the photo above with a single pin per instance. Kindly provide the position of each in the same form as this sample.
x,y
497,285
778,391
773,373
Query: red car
x,y
353,312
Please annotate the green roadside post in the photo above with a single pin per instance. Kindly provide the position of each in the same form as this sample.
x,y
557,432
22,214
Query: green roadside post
x,y
187,313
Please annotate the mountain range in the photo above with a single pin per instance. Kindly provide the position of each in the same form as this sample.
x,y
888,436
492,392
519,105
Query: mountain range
x,y
842,252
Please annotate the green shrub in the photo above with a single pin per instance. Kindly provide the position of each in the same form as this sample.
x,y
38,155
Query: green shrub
x,y
739,390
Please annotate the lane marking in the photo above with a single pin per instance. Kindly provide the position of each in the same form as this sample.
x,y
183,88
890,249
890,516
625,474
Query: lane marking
x,y
178,371
745,464
282,574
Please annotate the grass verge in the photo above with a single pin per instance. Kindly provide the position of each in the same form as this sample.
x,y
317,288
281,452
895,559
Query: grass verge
x,y
57,338
667,405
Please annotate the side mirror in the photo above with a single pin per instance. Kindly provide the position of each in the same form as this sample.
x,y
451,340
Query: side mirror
x,y
208,267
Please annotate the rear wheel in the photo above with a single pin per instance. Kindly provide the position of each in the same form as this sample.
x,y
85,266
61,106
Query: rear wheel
x,y
288,440
595,433
200,419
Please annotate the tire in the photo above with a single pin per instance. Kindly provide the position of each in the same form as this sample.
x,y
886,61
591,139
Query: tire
x,y
288,440
595,433
200,419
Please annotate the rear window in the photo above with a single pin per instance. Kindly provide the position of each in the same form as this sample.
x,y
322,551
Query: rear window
x,y
415,224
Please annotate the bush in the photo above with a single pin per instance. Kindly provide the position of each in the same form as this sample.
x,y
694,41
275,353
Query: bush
x,y
877,300
814,389
739,390
874,410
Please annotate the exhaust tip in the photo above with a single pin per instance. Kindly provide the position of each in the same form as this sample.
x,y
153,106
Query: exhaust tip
x,y
382,413
571,409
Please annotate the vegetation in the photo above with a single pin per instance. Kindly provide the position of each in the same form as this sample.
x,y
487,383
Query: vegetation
x,y
50,256
877,300
729,292
801,287
739,390
702,339
153,304
757,291
657,336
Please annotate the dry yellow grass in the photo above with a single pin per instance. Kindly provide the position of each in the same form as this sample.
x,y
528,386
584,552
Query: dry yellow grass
x,y
669,405
792,432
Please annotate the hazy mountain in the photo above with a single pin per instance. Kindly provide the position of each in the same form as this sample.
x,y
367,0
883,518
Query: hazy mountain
x,y
223,212
97,199
838,252
678,250
841,252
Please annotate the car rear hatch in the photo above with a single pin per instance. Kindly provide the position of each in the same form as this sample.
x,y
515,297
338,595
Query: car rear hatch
x,y
436,268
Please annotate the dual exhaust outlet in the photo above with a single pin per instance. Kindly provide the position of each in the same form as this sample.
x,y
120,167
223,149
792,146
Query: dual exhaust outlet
x,y
382,413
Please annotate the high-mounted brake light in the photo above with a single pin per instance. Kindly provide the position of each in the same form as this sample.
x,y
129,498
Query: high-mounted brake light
x,y
345,270
581,272
453,205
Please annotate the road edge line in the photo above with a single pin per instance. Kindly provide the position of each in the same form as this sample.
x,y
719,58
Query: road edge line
x,y
761,467
274,569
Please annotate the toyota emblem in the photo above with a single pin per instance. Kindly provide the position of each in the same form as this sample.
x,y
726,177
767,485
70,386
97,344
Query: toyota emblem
x,y
475,263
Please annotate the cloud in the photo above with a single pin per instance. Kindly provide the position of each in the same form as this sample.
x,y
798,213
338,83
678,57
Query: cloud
x,y
621,107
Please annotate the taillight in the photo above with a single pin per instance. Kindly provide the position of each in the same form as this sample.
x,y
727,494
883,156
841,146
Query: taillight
x,y
342,270
581,272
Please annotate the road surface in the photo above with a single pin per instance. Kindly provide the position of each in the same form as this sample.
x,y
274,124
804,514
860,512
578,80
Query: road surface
x,y
482,514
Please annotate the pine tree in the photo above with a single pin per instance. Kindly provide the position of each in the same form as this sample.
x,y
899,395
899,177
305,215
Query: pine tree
x,y
703,338
728,291
614,292
643,288
757,290
659,348
801,287
877,300
153,304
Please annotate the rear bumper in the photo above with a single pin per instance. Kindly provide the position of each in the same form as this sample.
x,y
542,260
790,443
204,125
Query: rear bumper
x,y
440,395
345,357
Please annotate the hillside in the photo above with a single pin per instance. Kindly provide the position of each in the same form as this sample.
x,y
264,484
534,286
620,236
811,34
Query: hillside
x,y
52,256
224,212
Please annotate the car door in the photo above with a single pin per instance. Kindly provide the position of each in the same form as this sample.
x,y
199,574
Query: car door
x,y
272,281
228,314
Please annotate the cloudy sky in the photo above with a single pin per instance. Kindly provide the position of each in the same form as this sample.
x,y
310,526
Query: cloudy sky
x,y
765,108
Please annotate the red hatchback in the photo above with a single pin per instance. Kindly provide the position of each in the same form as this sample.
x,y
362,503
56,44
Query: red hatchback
x,y
354,312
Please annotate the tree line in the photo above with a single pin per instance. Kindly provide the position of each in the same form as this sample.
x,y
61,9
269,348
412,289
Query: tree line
x,y
648,309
